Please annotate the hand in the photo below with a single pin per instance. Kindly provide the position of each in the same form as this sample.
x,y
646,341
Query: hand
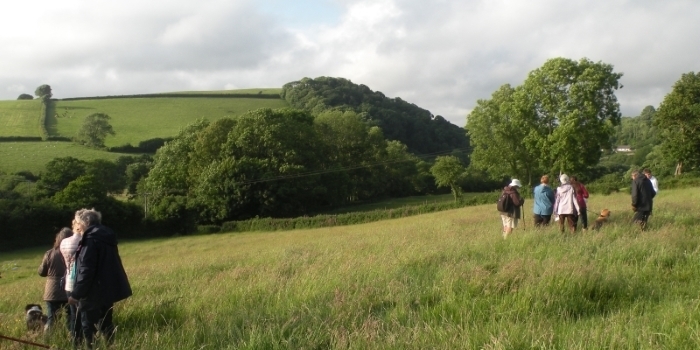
x,y
72,301
634,208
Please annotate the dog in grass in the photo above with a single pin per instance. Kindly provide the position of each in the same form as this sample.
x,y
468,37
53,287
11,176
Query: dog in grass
x,y
36,320
601,219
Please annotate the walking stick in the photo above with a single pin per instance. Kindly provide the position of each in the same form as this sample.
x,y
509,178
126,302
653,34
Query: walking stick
x,y
25,342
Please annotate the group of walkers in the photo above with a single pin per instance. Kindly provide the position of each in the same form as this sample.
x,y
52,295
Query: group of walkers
x,y
569,202
85,277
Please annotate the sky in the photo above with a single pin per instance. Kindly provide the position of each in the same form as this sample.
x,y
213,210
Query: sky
x,y
442,55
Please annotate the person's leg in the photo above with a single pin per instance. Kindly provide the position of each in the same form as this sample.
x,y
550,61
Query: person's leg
x,y
561,223
640,219
570,220
574,218
538,220
584,219
546,219
52,308
106,326
89,317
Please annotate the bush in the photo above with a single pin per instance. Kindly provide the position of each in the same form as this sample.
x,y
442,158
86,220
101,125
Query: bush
x,y
207,229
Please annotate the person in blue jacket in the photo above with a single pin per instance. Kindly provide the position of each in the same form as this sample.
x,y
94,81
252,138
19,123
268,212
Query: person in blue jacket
x,y
544,202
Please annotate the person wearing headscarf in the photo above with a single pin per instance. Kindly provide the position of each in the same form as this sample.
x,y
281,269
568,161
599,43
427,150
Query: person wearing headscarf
x,y
565,204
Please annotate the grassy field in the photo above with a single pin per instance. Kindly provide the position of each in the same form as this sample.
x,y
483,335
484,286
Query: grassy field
x,y
394,203
139,119
33,156
20,118
437,281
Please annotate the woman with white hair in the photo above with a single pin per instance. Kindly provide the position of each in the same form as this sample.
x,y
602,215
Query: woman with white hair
x,y
565,204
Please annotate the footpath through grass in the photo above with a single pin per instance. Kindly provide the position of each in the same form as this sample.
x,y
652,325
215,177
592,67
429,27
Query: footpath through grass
x,y
437,281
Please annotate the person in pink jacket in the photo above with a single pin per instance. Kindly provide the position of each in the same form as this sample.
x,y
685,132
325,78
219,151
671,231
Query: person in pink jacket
x,y
565,204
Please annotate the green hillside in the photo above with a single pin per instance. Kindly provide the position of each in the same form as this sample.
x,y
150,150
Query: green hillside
x,y
32,156
439,281
139,119
20,118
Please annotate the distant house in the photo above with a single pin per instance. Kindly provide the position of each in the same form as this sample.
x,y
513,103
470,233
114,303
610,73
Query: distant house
x,y
623,149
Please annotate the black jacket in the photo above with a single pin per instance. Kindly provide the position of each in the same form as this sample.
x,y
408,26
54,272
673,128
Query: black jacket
x,y
100,274
643,194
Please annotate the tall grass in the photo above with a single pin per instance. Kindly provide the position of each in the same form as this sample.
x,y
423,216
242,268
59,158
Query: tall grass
x,y
437,281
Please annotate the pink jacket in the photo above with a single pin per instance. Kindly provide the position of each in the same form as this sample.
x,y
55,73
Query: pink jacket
x,y
565,201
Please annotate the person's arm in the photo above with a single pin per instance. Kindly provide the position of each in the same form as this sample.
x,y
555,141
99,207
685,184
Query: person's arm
x,y
635,195
44,267
584,191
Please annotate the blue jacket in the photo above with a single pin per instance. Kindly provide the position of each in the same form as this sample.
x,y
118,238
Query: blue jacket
x,y
544,200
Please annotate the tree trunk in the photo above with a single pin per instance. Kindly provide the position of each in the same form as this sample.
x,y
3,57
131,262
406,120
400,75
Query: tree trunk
x,y
679,169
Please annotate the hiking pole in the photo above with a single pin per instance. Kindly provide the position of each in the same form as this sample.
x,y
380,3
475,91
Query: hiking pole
x,y
25,342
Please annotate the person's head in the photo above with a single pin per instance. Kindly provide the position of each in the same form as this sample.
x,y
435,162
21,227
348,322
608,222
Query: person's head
x,y
647,172
61,235
564,179
635,173
544,179
85,218
515,183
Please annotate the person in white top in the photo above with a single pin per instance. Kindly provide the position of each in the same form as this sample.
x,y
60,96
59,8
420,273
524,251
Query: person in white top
x,y
654,181
68,248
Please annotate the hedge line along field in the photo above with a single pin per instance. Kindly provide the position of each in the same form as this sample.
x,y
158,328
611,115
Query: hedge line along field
x,y
20,118
33,156
445,280
139,119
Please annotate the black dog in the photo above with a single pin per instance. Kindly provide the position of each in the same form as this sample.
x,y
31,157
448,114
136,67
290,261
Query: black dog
x,y
36,320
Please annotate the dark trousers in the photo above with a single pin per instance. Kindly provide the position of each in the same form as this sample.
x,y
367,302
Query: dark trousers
x,y
52,309
94,317
641,217
583,216
74,325
541,220
569,218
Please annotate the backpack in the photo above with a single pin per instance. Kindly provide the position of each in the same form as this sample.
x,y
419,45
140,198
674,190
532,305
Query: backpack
x,y
505,203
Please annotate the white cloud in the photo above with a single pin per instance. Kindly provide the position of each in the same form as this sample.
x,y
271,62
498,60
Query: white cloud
x,y
441,55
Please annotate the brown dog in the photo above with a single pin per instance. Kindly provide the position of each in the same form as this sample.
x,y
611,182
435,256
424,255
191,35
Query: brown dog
x,y
602,218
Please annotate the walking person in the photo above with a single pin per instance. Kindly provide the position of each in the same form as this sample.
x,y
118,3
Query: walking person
x,y
642,199
68,248
544,202
511,215
54,269
582,199
565,204
100,277
652,179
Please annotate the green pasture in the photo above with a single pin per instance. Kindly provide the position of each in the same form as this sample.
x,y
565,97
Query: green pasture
x,y
393,203
445,280
20,118
139,119
33,156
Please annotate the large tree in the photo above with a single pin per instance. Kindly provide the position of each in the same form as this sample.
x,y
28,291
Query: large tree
x,y
95,129
678,118
43,92
497,129
576,109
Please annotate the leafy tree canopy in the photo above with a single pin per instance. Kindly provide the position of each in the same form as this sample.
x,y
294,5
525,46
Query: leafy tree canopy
x,y
43,91
25,97
399,120
94,130
678,119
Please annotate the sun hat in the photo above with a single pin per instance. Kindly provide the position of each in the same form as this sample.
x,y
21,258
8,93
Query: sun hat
x,y
515,182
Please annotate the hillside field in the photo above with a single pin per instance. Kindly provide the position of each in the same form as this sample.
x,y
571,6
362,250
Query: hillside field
x,y
33,156
445,280
20,118
139,119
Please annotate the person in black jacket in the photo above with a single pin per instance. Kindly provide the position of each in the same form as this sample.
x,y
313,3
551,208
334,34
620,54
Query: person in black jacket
x,y
100,277
642,199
